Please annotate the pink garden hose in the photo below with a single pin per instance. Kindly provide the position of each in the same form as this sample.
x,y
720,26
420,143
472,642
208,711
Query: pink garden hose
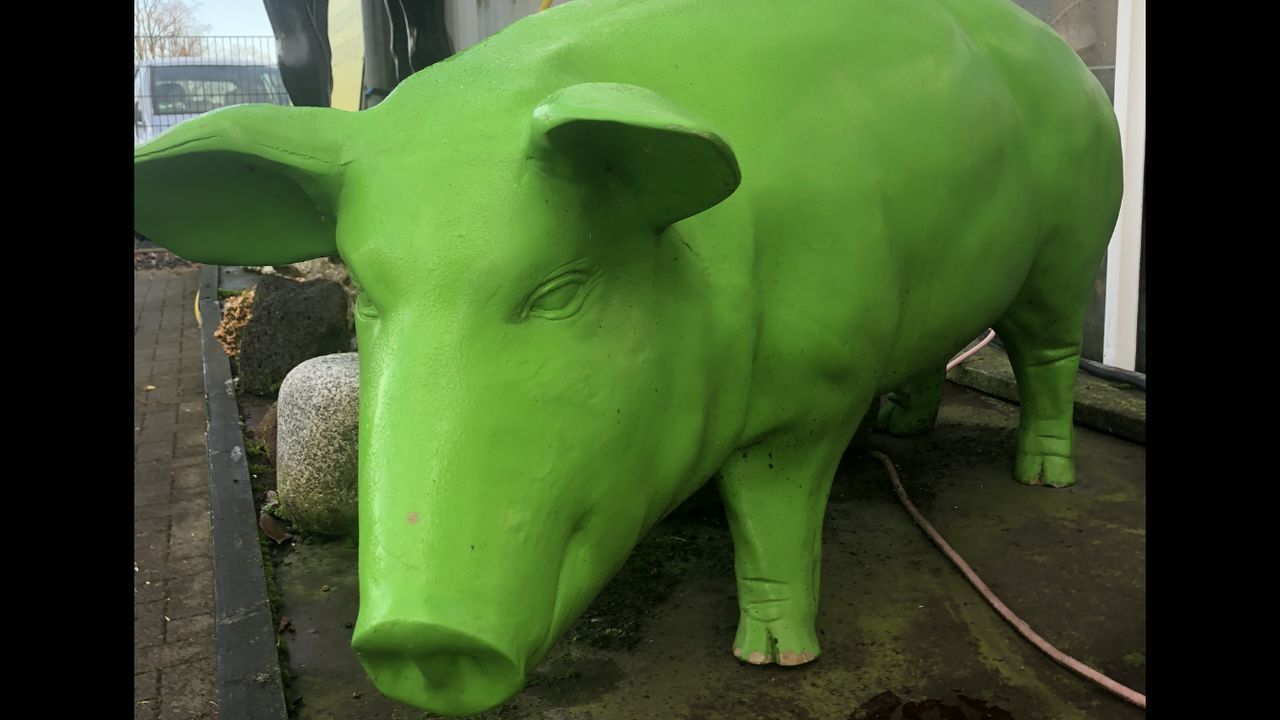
x,y
991,335
1018,623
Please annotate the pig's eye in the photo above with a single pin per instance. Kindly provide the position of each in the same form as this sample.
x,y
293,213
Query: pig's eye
x,y
561,296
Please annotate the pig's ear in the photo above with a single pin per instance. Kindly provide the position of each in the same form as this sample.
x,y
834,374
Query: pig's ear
x,y
247,185
675,162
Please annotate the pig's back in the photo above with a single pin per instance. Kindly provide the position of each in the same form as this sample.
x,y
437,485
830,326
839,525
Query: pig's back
x,y
870,94
926,143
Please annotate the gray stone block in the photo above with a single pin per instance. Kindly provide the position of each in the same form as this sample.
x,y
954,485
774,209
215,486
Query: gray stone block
x,y
318,414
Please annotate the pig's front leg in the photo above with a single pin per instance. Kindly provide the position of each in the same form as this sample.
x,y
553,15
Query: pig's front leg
x,y
775,494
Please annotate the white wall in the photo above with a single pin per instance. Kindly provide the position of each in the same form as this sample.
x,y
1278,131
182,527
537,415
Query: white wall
x,y
1120,341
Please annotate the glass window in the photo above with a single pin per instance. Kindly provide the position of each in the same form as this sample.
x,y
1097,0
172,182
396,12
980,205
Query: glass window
x,y
191,89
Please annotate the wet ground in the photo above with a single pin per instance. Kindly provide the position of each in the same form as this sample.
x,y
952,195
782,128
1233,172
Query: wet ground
x,y
903,634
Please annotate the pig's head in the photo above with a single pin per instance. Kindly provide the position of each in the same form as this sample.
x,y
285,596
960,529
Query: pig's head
x,y
540,375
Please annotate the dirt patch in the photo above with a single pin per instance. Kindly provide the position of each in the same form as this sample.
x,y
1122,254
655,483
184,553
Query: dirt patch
x,y
158,260
888,706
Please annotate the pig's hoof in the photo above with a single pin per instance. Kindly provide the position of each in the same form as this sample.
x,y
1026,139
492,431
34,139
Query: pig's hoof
x,y
1050,470
760,644
901,421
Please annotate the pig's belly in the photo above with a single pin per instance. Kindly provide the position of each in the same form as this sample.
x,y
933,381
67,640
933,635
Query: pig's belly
x,y
954,298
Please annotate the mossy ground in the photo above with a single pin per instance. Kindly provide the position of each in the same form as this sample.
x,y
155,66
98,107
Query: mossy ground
x,y
903,634
262,478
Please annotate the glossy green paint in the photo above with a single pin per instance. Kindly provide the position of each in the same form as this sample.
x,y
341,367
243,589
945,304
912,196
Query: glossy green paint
x,y
624,246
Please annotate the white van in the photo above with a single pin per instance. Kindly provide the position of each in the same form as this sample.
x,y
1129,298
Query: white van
x,y
170,90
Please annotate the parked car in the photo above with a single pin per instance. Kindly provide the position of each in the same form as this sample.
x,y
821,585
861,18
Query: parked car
x,y
170,90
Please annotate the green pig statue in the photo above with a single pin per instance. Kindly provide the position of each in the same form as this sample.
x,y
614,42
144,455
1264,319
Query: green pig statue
x,y
625,246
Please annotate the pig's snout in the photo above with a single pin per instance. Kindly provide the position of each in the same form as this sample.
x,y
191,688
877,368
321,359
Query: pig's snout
x,y
435,667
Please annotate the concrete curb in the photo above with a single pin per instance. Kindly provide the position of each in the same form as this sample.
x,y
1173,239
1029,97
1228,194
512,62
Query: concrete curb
x,y
1102,405
249,680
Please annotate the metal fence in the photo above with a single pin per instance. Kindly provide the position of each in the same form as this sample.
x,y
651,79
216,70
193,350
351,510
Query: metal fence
x,y
260,48
178,78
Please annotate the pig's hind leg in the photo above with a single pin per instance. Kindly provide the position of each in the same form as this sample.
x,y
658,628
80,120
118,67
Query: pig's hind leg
x,y
1042,333
913,408
775,494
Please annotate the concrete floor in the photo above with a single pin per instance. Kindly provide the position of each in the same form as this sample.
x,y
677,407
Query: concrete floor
x,y
903,634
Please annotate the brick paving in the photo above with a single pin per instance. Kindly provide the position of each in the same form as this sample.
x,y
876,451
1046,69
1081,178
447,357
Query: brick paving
x,y
173,639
